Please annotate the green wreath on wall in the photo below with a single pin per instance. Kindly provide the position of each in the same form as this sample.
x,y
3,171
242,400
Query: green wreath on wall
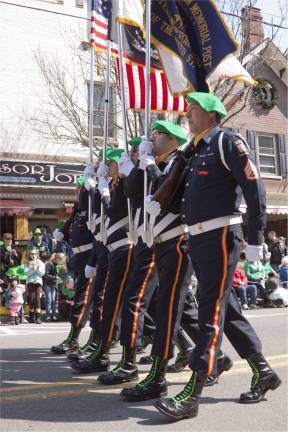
x,y
265,93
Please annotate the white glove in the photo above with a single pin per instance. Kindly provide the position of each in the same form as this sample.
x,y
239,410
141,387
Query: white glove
x,y
89,183
145,146
58,235
102,170
90,272
125,164
152,207
253,252
90,170
145,161
103,187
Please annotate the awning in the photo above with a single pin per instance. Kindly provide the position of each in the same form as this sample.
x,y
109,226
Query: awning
x,y
12,207
276,210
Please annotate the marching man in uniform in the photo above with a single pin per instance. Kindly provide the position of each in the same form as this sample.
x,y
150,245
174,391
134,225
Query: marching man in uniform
x,y
219,171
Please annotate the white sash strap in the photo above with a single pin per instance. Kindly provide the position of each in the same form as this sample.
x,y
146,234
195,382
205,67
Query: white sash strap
x,y
117,225
163,223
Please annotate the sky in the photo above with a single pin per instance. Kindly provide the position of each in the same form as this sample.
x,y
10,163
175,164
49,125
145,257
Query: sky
x,y
270,9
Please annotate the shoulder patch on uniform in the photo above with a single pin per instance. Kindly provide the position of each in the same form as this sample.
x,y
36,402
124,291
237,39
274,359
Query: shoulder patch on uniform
x,y
250,171
241,147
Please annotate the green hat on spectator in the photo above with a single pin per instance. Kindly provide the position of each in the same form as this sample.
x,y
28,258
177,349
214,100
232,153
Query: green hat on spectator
x,y
134,142
60,224
170,128
80,180
112,154
208,102
37,231
16,272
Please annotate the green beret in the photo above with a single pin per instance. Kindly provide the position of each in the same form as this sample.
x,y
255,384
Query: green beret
x,y
80,180
60,224
112,154
208,102
134,142
16,272
171,129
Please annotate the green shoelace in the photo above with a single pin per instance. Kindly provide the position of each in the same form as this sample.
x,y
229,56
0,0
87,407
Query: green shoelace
x,y
187,391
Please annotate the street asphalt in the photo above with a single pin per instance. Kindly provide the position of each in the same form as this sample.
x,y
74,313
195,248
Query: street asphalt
x,y
39,391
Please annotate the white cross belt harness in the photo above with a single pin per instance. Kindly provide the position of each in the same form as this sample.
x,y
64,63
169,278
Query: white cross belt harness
x,y
213,224
83,248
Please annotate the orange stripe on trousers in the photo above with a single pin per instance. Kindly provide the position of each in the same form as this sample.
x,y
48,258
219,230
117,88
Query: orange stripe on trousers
x,y
171,303
86,297
217,304
119,296
102,297
137,306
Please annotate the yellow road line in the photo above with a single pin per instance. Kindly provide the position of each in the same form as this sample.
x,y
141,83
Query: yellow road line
x,y
41,386
172,378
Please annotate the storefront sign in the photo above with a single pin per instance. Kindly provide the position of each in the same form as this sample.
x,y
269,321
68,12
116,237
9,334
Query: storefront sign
x,y
39,174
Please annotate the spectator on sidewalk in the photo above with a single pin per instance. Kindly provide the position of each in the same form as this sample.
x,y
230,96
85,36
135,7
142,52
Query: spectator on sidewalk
x,y
245,290
255,273
37,243
277,294
16,292
34,270
283,272
277,248
9,257
55,272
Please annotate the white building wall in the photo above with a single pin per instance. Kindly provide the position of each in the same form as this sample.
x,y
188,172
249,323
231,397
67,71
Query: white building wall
x,y
22,90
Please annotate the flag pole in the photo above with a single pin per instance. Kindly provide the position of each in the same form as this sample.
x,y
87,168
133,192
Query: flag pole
x,y
147,232
91,223
106,124
132,234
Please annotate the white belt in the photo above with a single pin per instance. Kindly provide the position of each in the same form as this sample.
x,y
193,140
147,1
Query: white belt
x,y
174,232
113,246
83,248
212,224
117,225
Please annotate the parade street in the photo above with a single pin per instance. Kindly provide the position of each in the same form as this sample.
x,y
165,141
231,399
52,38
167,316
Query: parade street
x,y
41,393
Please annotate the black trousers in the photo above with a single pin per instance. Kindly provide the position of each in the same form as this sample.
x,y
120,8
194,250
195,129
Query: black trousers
x,y
174,271
141,285
34,297
189,319
99,286
119,265
81,309
214,256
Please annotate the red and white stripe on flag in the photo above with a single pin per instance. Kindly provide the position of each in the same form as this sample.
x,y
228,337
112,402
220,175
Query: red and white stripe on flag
x,y
134,89
99,32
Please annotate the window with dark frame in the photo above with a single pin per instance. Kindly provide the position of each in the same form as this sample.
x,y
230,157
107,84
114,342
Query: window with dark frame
x,y
267,154
98,112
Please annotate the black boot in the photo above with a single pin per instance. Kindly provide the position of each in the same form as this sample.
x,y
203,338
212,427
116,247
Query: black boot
x,y
16,320
185,349
186,403
32,317
125,371
98,361
38,318
87,349
224,364
264,379
70,344
153,386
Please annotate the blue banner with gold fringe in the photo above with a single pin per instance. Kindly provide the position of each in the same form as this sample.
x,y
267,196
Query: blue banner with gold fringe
x,y
192,36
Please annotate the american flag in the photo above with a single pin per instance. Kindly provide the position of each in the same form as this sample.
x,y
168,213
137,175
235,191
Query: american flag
x,y
134,70
134,89
100,23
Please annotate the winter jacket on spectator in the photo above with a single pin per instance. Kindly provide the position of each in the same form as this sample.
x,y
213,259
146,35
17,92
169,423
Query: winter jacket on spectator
x,y
254,271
